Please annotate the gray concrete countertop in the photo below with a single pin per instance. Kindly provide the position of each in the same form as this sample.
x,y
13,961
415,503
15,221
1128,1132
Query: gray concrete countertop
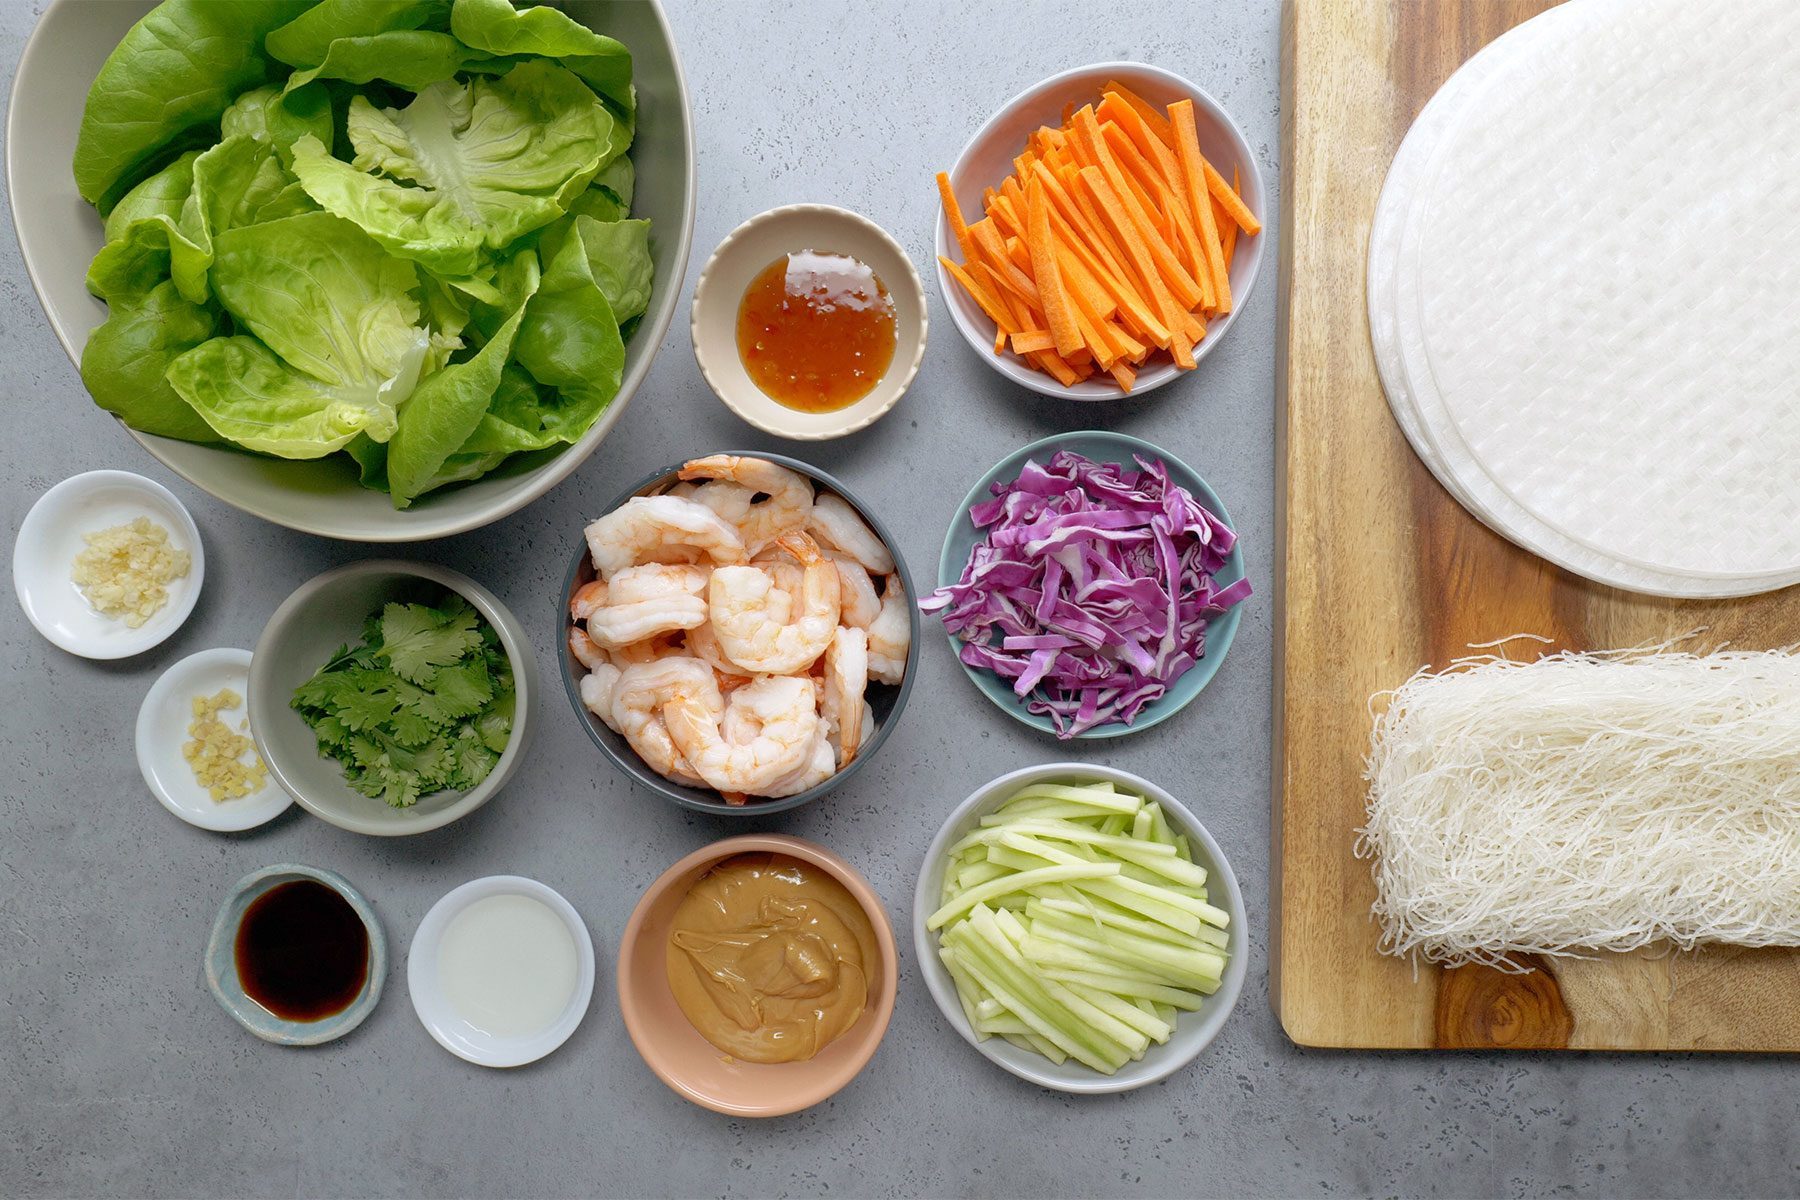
x,y
119,1074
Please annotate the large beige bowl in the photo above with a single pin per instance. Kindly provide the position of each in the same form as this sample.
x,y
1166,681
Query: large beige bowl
x,y
695,1068
59,234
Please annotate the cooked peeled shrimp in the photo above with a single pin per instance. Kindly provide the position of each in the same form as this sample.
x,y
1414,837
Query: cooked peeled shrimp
x,y
585,651
730,500
663,529
597,693
738,604
819,765
588,598
789,502
891,635
628,624
780,724
638,697
839,526
846,679
703,644
861,603
656,581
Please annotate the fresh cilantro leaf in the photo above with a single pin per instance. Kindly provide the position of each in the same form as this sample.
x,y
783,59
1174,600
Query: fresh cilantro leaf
x,y
416,639
473,760
455,692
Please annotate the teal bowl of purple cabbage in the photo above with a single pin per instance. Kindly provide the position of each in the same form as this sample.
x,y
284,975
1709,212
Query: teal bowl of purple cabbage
x,y
1091,585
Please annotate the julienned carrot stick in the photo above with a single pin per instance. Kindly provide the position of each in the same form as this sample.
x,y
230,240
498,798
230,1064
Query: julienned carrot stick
x,y
1044,270
1230,201
1111,240
953,213
1193,171
1159,124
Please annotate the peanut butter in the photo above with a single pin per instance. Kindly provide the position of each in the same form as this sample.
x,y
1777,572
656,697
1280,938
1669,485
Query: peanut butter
x,y
771,958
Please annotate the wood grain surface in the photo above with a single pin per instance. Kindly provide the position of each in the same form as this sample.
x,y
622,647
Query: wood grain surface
x,y
1382,572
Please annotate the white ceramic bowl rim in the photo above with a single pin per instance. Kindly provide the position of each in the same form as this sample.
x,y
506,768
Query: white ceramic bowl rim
x,y
1150,378
857,416
434,1009
35,579
160,759
1193,1031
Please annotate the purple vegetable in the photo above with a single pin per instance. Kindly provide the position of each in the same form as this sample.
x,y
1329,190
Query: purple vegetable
x,y
1093,590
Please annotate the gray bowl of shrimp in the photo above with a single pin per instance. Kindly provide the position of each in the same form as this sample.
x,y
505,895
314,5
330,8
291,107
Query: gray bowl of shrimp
x,y
738,633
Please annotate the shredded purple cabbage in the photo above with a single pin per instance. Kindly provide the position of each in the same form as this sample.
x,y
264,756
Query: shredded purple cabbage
x,y
1093,590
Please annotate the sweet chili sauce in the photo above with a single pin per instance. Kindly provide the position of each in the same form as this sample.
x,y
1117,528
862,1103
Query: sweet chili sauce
x,y
815,330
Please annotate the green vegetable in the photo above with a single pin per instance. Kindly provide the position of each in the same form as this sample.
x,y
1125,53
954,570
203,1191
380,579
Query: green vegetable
x,y
1075,924
165,85
453,291
423,704
465,169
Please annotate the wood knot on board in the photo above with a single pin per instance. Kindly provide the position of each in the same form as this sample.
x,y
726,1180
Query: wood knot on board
x,y
1481,1008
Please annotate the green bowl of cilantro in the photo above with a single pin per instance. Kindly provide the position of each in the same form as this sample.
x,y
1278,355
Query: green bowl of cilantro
x,y
392,697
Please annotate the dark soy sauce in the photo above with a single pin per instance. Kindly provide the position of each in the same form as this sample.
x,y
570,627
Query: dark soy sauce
x,y
302,952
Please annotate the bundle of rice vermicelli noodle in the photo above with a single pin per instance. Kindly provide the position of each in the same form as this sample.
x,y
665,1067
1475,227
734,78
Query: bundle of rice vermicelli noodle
x,y
1587,802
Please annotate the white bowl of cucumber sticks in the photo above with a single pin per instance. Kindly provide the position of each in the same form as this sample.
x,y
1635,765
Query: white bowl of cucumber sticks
x,y
1091,938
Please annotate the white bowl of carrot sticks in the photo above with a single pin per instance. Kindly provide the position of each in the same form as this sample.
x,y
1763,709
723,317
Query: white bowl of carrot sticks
x,y
1101,232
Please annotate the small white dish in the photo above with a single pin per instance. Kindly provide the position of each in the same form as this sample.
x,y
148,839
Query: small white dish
x,y
162,726
50,539
448,1027
760,241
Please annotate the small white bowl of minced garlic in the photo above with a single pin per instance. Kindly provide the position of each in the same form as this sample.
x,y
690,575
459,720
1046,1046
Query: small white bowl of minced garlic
x,y
108,564
195,749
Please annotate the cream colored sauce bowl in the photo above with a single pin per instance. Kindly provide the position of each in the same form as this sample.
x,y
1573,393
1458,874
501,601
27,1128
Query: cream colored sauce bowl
x,y
757,243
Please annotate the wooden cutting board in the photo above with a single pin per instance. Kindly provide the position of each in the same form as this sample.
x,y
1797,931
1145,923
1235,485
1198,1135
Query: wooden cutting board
x,y
1382,571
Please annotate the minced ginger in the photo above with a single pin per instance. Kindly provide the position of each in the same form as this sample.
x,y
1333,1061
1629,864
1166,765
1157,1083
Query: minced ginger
x,y
216,754
126,569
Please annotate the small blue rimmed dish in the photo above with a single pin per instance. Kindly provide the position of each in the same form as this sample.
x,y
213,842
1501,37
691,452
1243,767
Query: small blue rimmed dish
x,y
228,988
1101,447
885,700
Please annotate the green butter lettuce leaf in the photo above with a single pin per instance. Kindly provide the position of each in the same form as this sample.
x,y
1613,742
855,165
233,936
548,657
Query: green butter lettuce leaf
x,y
124,361
465,168
568,360
619,178
618,254
340,344
165,86
323,297
411,58
238,182
497,27
251,397
161,195
279,116
445,409
306,40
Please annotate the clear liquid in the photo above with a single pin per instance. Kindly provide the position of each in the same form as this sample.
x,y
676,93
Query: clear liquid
x,y
507,965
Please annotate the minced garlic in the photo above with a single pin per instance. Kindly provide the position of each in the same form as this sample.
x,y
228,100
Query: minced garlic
x,y
125,570
216,754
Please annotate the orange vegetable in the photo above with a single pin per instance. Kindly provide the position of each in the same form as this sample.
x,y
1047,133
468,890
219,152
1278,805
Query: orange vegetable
x,y
1110,243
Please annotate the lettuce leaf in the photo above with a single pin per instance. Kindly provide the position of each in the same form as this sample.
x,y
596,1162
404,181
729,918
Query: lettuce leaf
x,y
306,40
281,116
446,407
124,361
413,59
165,85
340,344
497,27
465,169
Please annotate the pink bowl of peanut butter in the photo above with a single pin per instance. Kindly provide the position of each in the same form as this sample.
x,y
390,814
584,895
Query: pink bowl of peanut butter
x,y
757,975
